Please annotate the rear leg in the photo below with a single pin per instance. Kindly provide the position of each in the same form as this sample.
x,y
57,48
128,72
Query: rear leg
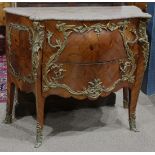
x,y
125,97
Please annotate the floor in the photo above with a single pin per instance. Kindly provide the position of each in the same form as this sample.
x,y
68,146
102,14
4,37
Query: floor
x,y
88,129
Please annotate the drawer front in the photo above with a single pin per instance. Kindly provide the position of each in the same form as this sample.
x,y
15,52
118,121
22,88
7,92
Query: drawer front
x,y
89,80
89,47
84,42
88,58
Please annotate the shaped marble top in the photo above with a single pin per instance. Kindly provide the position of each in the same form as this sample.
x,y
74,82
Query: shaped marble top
x,y
79,13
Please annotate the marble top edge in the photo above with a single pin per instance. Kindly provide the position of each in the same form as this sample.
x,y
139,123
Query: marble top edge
x,y
79,13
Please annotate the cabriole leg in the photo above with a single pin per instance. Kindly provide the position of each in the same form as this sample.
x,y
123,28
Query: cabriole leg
x,y
10,100
132,109
134,94
40,119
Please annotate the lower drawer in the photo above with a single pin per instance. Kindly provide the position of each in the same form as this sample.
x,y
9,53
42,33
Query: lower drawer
x,y
88,80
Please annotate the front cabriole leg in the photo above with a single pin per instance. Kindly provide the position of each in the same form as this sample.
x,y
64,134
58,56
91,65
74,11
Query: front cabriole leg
x,y
141,66
38,38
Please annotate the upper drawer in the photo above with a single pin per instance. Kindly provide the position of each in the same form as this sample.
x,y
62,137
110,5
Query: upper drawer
x,y
90,47
83,42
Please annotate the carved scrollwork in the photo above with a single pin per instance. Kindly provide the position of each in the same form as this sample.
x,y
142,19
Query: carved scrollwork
x,y
57,71
95,87
125,68
143,40
37,42
36,37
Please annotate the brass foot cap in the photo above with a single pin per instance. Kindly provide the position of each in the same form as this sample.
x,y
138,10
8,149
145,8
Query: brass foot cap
x,y
134,129
7,120
38,144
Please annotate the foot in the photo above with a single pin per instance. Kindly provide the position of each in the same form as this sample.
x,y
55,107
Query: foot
x,y
39,136
134,129
8,119
38,144
132,123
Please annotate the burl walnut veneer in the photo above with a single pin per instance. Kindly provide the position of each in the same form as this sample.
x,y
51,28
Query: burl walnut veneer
x,y
83,52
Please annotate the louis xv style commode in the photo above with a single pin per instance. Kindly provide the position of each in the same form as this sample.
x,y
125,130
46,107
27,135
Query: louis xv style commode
x,y
83,52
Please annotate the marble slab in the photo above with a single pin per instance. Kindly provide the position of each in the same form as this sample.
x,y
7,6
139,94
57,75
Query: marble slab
x,y
79,13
